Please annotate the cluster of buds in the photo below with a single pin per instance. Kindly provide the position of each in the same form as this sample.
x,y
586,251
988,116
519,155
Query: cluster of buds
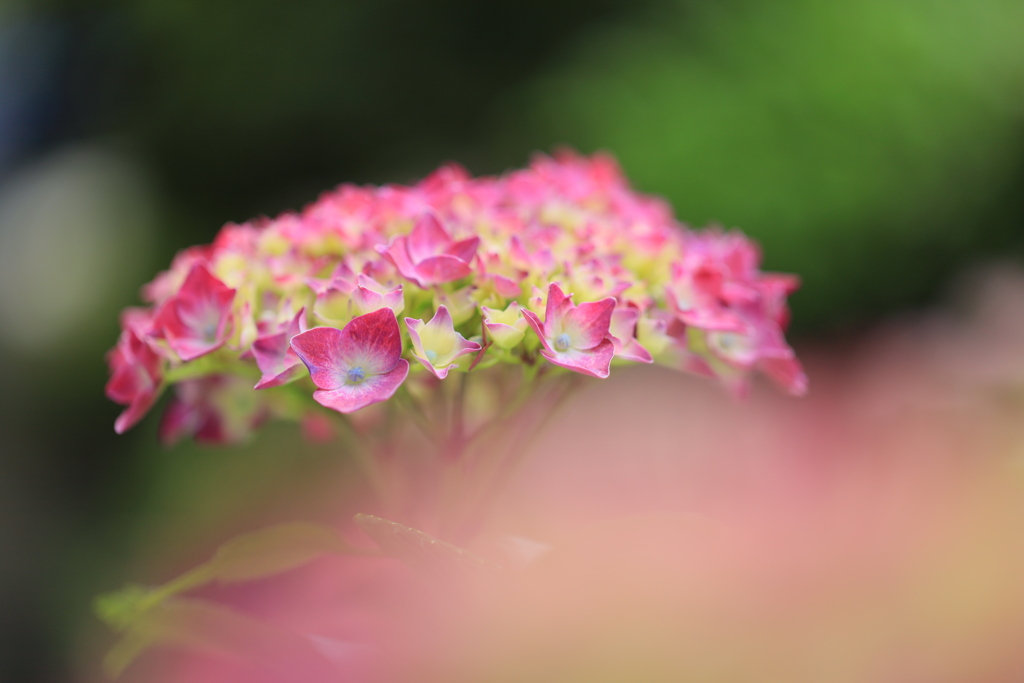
x,y
559,267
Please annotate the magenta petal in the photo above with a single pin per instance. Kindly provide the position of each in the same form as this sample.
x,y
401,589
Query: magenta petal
x,y
464,249
588,323
135,411
428,239
271,354
319,348
374,389
442,268
372,342
595,362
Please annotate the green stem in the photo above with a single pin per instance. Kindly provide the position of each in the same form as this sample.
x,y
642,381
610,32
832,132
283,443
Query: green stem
x,y
419,416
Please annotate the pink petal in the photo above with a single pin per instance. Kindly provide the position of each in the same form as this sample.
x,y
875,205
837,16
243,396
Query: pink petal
x,y
621,332
538,327
290,373
135,411
197,320
442,318
787,372
428,238
178,421
717,319
274,356
374,389
135,378
366,299
397,252
634,351
442,268
558,305
464,250
506,286
587,324
188,348
595,362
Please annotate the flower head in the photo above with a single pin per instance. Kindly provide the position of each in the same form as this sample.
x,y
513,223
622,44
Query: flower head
x,y
479,258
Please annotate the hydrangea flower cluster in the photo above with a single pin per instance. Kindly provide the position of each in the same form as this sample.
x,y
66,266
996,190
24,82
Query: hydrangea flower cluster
x,y
559,267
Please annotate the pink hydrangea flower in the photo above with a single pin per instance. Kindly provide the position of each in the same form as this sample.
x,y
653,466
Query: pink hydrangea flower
x,y
135,378
428,255
436,344
274,355
370,295
505,328
197,319
214,410
575,337
356,366
622,333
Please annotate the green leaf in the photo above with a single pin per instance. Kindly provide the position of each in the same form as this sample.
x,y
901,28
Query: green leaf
x,y
254,555
120,608
210,628
418,549
274,550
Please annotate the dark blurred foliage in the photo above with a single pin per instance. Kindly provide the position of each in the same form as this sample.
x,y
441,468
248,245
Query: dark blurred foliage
x,y
875,147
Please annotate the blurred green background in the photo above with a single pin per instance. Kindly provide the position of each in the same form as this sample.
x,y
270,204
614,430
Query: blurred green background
x,y
875,147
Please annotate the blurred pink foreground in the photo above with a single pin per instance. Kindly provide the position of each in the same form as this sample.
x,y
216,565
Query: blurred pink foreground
x,y
660,531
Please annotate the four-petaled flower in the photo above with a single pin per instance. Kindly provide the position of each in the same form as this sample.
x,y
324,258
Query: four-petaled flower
x,y
575,337
621,332
429,256
135,378
274,355
370,295
356,366
197,320
436,344
505,328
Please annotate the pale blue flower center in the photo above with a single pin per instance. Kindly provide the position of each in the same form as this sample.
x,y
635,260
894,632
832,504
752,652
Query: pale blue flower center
x,y
431,355
562,342
355,376
728,342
